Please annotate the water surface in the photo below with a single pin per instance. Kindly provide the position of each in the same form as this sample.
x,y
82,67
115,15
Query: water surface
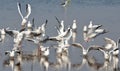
x,y
105,12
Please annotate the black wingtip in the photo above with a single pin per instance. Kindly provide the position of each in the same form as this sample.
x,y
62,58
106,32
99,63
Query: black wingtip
x,y
26,7
118,40
46,21
6,53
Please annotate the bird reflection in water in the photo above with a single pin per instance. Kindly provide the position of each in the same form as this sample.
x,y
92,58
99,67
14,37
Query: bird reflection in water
x,y
115,63
16,66
42,56
63,61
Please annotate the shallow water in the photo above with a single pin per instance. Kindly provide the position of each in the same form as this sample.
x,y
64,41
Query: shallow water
x,y
105,12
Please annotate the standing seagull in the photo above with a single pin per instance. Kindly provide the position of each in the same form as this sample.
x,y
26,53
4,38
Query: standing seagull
x,y
74,29
74,26
24,18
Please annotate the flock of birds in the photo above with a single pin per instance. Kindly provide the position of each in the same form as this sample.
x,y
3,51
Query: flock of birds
x,y
38,36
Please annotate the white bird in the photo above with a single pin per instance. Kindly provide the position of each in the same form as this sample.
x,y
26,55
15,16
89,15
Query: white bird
x,y
85,51
94,34
111,44
43,27
74,26
60,28
45,51
30,26
91,31
63,38
115,51
40,31
61,48
12,53
93,27
107,54
18,36
65,3
2,34
74,29
24,18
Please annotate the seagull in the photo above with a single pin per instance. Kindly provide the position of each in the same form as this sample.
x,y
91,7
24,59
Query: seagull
x,y
94,34
74,26
61,48
60,28
43,27
92,31
65,3
85,51
2,34
40,31
93,27
44,50
74,30
107,54
111,44
17,35
30,25
115,51
12,53
24,18
38,41
63,38
68,35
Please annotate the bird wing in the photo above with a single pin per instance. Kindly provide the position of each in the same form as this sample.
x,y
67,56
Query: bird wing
x,y
34,33
28,10
7,52
19,9
94,47
109,41
11,32
57,20
77,45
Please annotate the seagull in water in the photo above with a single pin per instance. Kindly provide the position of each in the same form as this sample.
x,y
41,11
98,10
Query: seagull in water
x,y
112,46
30,26
12,53
45,51
18,36
24,18
60,28
92,31
63,38
74,29
85,51
2,34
